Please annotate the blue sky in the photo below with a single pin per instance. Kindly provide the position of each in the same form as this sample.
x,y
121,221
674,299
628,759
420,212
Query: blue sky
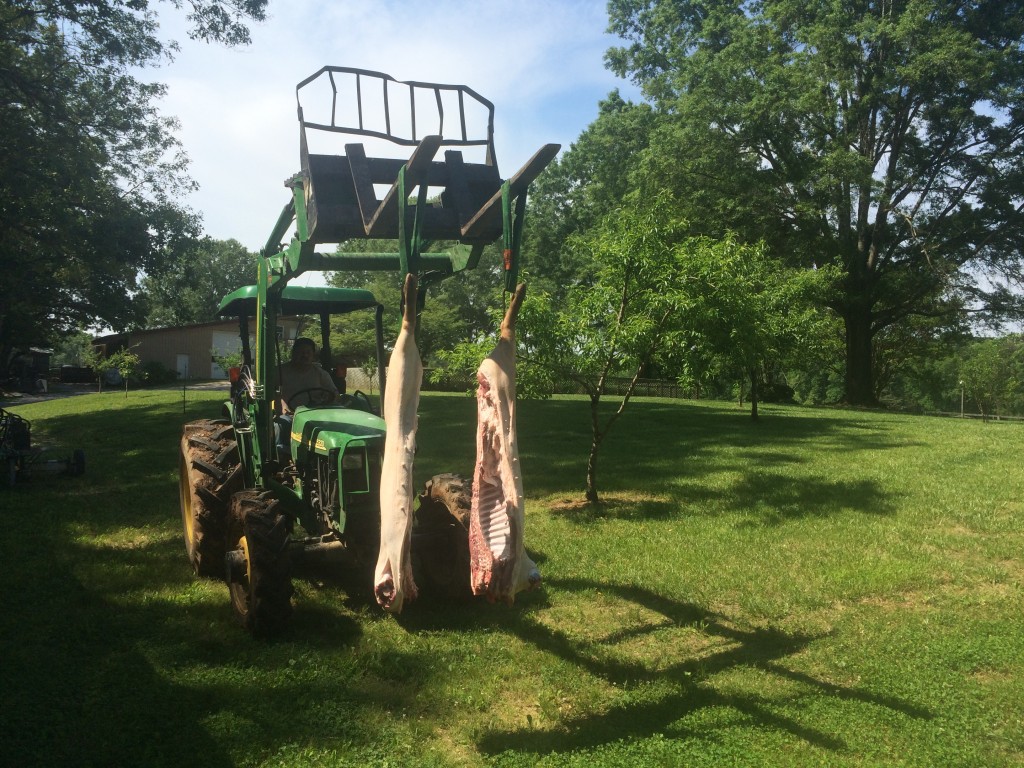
x,y
539,61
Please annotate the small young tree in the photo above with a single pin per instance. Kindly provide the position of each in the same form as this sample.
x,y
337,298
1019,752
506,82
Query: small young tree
x,y
649,295
618,320
612,322
747,312
992,374
226,360
124,361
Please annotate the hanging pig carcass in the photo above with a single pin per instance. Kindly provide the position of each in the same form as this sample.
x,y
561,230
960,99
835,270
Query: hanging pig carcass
x,y
393,580
499,565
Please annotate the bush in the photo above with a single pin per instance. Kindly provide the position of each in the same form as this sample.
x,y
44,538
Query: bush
x,y
77,374
448,380
777,392
155,374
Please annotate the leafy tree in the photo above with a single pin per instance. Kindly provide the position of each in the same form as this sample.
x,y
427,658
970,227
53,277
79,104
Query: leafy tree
x,y
74,349
456,310
747,314
590,179
992,373
90,172
886,138
188,288
124,361
915,363
618,323
655,298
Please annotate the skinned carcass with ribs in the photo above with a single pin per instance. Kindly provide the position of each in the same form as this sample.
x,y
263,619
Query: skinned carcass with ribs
x,y
499,565
393,581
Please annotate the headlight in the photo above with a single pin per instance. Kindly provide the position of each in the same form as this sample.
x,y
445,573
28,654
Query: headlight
x,y
353,460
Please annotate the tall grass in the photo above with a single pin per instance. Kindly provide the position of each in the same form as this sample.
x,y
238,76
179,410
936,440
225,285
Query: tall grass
x,y
821,587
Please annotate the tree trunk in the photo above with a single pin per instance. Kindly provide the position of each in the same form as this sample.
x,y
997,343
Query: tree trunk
x,y
753,394
860,381
592,474
595,444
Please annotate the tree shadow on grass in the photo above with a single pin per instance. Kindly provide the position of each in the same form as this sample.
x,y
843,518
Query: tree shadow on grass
x,y
108,661
670,439
773,499
690,678
656,463
764,498
131,465
78,692
614,507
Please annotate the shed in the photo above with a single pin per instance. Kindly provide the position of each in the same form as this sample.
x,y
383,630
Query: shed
x,y
188,349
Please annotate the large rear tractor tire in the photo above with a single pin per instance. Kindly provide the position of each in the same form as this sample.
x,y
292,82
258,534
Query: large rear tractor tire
x,y
258,564
441,538
209,474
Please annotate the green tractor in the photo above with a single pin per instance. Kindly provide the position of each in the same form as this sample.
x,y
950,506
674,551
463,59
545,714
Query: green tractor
x,y
261,499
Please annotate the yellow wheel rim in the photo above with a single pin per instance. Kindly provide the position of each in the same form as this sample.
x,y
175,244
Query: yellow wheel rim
x,y
244,544
184,487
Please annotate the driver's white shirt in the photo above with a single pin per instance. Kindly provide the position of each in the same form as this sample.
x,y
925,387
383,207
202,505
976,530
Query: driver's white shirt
x,y
293,381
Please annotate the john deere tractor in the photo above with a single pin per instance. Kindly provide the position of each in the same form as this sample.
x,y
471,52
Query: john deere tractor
x,y
258,504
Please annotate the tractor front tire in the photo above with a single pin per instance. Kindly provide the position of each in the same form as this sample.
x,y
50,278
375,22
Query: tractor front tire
x,y
441,537
209,474
258,566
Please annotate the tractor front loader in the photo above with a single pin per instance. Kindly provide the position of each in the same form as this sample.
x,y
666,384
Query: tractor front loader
x,y
258,504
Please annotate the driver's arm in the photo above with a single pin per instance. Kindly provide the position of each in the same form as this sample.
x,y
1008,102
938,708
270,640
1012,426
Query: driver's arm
x,y
285,390
328,383
283,404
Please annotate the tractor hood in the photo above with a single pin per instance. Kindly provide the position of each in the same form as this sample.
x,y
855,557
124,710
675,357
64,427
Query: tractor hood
x,y
326,428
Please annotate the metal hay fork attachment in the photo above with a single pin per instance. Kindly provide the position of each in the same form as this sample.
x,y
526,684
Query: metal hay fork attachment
x,y
335,196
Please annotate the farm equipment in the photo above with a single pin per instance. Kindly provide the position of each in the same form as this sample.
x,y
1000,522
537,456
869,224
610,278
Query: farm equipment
x,y
21,460
245,488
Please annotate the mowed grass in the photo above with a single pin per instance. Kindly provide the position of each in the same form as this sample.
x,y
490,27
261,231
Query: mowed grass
x,y
818,588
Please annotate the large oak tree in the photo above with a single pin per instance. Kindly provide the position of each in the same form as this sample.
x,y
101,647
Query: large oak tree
x,y
589,180
90,172
189,287
883,136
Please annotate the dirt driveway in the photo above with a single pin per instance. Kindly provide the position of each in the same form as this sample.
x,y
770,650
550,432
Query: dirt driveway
x,y
54,391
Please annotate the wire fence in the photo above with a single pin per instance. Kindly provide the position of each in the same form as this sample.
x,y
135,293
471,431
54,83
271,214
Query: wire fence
x,y
958,415
617,387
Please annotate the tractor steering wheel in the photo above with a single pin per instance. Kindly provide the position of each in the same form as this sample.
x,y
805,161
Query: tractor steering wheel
x,y
364,402
308,392
357,400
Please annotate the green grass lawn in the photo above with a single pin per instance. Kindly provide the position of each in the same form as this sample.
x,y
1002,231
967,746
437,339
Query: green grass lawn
x,y
818,588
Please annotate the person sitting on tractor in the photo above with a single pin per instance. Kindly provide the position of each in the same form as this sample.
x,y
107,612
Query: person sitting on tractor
x,y
303,382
